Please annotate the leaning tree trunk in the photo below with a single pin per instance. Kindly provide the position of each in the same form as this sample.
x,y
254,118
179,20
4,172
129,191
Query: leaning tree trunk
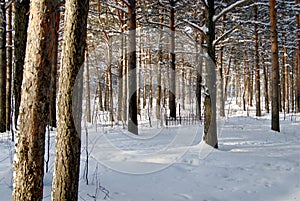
x,y
34,109
2,67
68,143
21,18
275,67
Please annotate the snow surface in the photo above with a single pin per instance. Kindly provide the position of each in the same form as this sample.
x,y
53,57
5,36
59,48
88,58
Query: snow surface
x,y
173,164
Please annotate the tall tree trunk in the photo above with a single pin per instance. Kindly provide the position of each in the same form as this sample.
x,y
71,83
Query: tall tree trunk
x,y
210,121
257,68
245,102
282,83
172,72
145,76
125,79
266,75
132,85
221,77
120,65
237,84
275,67
286,78
120,77
159,66
87,87
54,68
199,66
34,109
109,92
297,69
9,68
21,19
251,74
150,79
68,143
227,77
139,70
2,67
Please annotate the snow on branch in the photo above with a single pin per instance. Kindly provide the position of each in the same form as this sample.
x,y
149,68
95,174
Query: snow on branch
x,y
203,28
125,10
229,8
225,34
158,23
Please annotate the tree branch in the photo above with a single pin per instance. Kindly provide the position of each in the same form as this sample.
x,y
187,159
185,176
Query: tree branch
x,y
229,8
225,34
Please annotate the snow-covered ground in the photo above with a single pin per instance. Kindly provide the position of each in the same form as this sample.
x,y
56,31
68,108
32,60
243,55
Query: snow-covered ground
x,y
252,163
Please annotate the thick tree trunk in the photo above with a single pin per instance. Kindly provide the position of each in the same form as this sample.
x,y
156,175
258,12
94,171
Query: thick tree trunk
x,y
21,18
172,72
34,109
68,143
2,67
210,121
275,68
132,85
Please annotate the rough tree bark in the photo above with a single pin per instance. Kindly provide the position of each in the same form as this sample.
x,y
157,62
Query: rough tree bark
x,y
68,143
54,64
20,39
275,125
34,109
2,67
210,120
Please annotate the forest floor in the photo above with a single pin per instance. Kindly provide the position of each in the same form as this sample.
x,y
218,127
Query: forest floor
x,y
172,164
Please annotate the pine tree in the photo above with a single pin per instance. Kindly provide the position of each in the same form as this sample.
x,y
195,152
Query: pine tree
x,y
34,109
68,143
275,67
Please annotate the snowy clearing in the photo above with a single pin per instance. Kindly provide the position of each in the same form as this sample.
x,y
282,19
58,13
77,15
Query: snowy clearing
x,y
252,163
